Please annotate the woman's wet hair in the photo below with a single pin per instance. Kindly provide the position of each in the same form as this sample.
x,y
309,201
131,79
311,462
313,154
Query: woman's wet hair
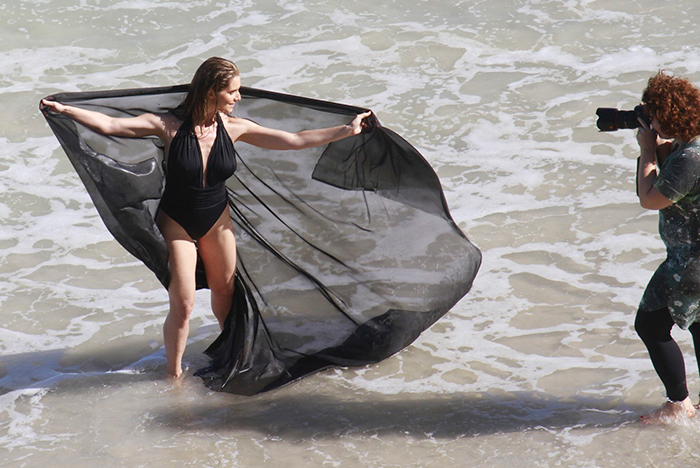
x,y
213,75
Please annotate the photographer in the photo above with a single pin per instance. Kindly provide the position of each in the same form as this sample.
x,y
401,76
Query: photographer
x,y
668,180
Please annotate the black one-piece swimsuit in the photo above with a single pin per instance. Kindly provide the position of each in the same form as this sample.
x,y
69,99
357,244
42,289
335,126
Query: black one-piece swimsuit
x,y
192,202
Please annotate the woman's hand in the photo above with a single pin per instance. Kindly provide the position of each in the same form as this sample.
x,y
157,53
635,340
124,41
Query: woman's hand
x,y
358,123
53,106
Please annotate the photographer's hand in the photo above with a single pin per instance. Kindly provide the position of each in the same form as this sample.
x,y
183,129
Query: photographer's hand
x,y
647,139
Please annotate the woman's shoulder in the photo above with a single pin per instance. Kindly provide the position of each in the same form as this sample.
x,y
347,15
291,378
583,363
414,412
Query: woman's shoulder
x,y
168,118
234,121
236,126
169,122
163,125
160,119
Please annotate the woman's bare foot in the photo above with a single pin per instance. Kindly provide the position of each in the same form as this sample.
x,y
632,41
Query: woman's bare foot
x,y
672,412
175,377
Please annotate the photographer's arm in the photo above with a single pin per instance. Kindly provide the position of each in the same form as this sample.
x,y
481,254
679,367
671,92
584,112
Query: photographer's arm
x,y
663,149
647,170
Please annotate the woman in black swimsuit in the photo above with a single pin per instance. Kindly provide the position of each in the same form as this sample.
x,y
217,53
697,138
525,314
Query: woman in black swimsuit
x,y
198,139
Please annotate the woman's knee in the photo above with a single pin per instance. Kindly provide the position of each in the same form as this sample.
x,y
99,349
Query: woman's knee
x,y
222,288
181,305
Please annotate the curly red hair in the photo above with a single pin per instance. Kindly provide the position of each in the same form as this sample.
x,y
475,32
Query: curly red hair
x,y
675,102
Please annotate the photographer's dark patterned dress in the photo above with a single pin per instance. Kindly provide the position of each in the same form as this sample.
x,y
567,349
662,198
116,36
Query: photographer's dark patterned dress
x,y
676,283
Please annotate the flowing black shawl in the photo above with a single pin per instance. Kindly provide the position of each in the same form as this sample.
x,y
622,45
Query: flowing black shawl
x,y
346,253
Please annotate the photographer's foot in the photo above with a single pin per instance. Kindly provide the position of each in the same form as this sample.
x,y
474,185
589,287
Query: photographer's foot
x,y
670,413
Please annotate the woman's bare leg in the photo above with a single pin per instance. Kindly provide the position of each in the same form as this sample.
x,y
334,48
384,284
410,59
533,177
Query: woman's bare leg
x,y
181,291
218,251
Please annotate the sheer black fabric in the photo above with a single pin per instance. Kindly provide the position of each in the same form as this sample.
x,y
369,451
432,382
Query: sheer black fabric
x,y
346,252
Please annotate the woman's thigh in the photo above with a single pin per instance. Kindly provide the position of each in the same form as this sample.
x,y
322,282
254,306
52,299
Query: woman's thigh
x,y
218,251
182,260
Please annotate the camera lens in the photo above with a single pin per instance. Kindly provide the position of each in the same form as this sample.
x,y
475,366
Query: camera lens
x,y
610,119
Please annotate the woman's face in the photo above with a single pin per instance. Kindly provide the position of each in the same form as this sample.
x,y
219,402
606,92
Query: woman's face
x,y
227,98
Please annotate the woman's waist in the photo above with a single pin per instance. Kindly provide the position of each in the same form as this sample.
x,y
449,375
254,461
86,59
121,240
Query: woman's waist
x,y
195,197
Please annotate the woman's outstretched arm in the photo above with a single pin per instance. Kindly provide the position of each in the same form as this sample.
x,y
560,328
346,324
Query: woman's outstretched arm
x,y
269,138
129,127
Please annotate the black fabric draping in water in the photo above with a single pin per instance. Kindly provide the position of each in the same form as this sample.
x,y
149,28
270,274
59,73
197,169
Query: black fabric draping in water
x,y
346,252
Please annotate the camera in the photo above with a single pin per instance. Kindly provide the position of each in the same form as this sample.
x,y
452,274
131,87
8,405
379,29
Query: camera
x,y
610,120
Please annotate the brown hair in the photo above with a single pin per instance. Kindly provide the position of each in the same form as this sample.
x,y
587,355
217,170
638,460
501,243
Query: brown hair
x,y
212,75
675,102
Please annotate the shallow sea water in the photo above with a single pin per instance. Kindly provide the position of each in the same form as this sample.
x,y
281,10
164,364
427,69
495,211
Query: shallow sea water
x,y
537,366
